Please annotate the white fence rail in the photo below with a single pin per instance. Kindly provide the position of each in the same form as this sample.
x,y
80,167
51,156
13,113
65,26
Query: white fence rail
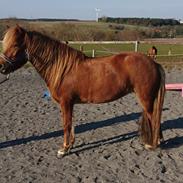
x,y
112,52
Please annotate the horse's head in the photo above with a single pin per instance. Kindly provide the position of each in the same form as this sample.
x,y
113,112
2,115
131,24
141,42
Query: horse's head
x,y
14,50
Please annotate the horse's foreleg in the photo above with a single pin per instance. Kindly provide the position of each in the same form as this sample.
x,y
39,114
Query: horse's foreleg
x,y
68,129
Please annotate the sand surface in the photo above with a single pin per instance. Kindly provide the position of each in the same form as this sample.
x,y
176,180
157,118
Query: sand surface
x,y
107,147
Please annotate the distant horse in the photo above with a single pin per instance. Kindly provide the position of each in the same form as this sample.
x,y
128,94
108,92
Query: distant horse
x,y
152,52
72,78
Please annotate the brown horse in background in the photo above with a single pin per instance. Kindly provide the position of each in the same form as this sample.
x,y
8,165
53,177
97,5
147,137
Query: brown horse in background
x,y
152,52
72,78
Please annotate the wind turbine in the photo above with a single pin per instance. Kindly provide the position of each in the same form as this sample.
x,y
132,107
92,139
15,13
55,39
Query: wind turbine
x,y
97,10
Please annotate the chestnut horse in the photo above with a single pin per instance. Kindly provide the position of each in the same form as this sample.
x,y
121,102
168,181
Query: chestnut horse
x,y
152,52
72,78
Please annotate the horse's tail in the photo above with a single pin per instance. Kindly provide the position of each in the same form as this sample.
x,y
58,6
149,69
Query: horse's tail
x,y
150,124
157,108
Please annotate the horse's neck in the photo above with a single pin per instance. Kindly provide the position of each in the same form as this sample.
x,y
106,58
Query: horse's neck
x,y
53,70
55,63
38,62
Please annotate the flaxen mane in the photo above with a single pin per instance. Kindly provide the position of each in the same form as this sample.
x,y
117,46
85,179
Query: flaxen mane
x,y
52,58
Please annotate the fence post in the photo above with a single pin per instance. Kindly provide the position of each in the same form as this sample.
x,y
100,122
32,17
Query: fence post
x,y
136,46
81,48
93,53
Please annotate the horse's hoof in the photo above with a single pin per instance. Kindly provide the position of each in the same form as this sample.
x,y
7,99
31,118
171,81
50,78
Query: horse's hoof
x,y
148,147
62,152
160,141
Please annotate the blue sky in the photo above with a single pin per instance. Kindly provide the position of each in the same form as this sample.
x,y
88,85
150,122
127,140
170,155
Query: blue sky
x,y
85,9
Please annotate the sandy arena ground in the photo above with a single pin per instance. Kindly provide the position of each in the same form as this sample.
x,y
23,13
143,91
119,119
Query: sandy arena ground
x,y
107,147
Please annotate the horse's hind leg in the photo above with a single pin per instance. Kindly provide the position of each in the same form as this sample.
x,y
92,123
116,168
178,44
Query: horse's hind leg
x,y
145,128
69,137
150,129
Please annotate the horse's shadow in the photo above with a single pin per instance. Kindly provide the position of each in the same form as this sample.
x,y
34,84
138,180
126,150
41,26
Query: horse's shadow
x,y
170,124
176,141
80,129
167,144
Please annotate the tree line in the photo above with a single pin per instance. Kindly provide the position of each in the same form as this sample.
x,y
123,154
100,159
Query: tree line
x,y
155,22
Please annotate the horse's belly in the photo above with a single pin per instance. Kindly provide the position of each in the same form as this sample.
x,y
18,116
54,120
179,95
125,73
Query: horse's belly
x,y
105,94
99,99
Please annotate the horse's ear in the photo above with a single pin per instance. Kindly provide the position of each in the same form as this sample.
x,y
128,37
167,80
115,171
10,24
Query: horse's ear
x,y
19,28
